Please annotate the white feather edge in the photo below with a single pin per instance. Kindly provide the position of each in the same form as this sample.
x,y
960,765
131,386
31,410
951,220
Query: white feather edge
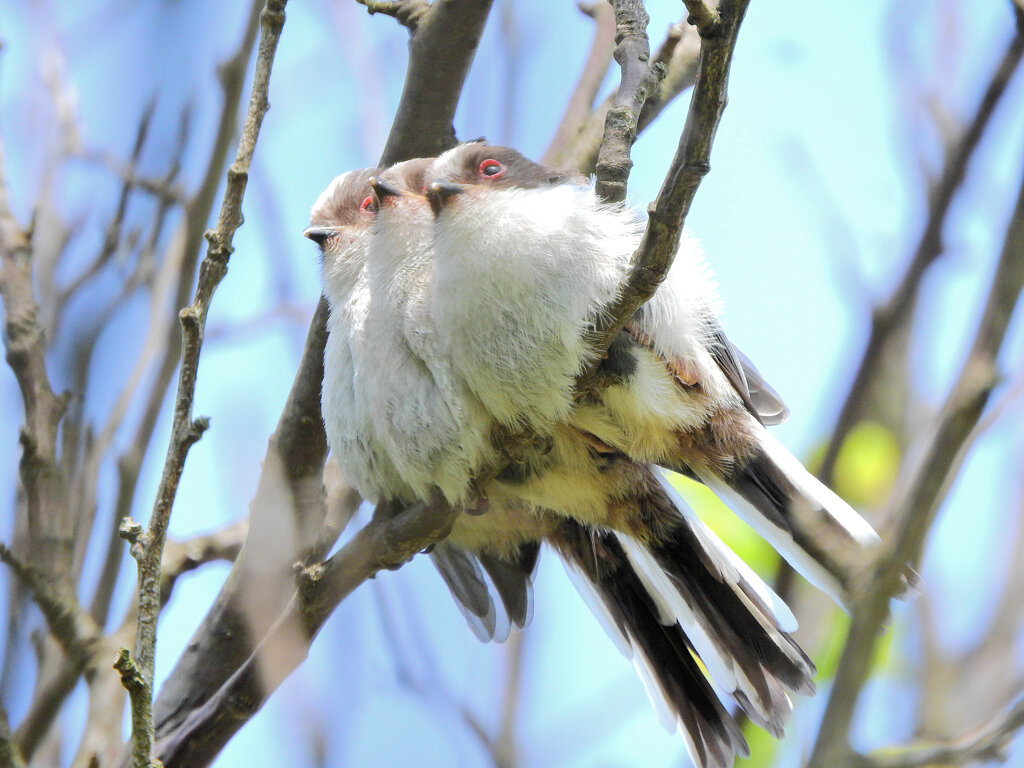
x,y
841,512
588,592
781,617
670,721
781,540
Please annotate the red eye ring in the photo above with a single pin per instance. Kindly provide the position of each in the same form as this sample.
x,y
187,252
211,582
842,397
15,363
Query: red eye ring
x,y
490,169
366,206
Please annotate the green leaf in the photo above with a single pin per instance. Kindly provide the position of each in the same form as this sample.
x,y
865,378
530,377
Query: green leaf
x,y
867,464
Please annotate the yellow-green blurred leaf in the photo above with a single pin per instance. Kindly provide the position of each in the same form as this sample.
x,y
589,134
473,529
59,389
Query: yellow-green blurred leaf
x,y
827,657
763,747
866,465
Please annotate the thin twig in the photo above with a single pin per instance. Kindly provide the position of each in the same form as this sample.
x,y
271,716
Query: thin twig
x,y
138,694
679,52
388,541
638,81
73,627
924,489
581,102
691,163
185,430
895,313
985,744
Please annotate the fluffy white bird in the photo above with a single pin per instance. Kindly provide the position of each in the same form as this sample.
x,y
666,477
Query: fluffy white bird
x,y
526,259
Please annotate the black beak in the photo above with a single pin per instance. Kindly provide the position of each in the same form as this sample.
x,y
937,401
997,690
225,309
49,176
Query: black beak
x,y
319,235
439,192
381,189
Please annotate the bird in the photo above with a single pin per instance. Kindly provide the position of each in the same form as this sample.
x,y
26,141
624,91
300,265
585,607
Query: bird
x,y
526,260
406,420
388,420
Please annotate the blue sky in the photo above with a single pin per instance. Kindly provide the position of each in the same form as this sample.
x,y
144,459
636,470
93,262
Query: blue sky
x,y
817,128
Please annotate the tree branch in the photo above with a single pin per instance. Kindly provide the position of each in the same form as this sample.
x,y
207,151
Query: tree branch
x,y
389,540
894,314
925,487
185,431
407,12
10,755
638,81
581,102
667,214
50,530
440,53
679,53
985,744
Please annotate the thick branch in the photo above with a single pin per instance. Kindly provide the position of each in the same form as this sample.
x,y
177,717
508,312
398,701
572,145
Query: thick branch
x,y
924,490
389,541
440,53
638,81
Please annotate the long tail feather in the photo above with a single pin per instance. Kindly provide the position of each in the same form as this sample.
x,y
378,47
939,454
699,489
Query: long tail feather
x,y
815,530
661,652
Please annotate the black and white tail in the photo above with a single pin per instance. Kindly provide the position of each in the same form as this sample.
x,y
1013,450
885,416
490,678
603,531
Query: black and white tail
x,y
817,532
684,597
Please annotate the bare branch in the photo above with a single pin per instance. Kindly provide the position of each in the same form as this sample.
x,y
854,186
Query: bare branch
x,y
924,489
703,17
504,747
73,627
407,12
183,556
984,744
51,531
440,53
581,102
679,53
895,313
638,81
10,755
138,693
690,164
389,541
185,430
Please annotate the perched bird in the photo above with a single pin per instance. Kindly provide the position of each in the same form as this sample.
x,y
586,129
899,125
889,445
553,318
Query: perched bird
x,y
526,258
394,425
406,419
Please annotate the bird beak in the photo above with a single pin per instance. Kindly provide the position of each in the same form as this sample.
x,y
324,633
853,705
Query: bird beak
x,y
381,190
319,235
439,192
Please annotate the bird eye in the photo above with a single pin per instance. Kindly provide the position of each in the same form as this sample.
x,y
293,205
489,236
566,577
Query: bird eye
x,y
491,169
369,205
